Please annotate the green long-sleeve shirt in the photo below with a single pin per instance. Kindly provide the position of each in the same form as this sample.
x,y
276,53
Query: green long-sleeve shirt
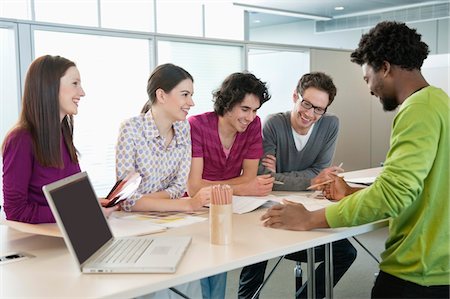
x,y
413,189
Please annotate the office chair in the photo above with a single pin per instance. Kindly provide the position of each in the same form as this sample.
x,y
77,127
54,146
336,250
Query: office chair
x,y
298,276
299,286
298,273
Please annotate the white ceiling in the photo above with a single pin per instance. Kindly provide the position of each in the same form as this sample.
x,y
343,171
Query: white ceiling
x,y
326,8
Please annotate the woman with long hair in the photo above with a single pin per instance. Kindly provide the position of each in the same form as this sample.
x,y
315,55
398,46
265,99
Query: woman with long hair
x,y
157,145
39,149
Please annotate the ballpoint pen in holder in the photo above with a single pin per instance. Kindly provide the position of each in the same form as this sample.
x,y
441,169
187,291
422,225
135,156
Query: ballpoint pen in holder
x,y
220,215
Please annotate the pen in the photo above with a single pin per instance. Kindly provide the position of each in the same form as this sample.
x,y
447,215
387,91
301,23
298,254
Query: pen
x,y
272,174
340,165
320,184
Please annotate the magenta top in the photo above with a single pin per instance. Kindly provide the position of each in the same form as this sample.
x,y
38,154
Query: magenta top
x,y
206,144
23,178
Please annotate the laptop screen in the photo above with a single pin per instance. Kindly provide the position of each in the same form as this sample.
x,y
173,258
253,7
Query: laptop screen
x,y
81,216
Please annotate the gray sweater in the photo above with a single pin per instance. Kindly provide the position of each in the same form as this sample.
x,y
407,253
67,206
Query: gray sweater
x,y
297,168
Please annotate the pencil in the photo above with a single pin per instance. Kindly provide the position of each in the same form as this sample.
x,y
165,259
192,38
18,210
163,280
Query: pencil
x,y
320,184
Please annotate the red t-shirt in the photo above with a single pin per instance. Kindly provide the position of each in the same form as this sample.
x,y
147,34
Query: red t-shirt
x,y
206,144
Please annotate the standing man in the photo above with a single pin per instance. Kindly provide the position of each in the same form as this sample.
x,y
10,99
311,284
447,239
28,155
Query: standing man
x,y
413,188
298,145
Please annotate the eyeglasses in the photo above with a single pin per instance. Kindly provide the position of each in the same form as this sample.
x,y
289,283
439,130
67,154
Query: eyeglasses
x,y
317,110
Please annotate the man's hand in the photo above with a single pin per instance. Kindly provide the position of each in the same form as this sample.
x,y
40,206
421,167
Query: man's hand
x,y
259,186
337,189
269,162
293,216
326,175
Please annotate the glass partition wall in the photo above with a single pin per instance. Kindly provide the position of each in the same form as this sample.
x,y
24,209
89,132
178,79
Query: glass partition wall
x,y
116,47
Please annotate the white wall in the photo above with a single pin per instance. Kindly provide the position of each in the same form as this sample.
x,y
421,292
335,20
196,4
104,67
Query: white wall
x,y
364,127
302,33
435,34
281,70
435,69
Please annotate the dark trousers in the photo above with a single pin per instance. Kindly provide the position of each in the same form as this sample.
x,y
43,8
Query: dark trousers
x,y
343,256
389,286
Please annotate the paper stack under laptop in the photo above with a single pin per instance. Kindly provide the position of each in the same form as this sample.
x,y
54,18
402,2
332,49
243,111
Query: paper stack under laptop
x,y
120,227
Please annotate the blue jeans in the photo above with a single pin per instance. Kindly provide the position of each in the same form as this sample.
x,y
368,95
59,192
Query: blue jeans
x,y
343,256
213,287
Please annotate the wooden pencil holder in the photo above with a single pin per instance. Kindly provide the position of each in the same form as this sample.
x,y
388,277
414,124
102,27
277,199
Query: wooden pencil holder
x,y
221,225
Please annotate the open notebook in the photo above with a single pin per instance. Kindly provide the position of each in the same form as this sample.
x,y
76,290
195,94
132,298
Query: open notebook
x,y
91,242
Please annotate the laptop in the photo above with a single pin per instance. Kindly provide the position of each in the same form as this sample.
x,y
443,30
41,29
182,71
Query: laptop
x,y
91,242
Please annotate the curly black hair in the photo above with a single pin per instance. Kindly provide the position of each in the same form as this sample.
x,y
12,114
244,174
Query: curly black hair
x,y
393,42
234,89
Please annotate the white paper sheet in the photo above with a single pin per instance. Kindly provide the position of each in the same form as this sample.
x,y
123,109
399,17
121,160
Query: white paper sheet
x,y
365,180
177,220
119,227
246,204
311,201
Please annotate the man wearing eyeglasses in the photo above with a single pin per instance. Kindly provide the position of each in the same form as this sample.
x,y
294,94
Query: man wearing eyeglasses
x,y
300,143
298,149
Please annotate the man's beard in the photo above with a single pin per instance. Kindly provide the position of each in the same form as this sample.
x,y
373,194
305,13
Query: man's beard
x,y
389,104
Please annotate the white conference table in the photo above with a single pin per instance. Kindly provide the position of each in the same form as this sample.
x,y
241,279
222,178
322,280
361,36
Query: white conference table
x,y
53,272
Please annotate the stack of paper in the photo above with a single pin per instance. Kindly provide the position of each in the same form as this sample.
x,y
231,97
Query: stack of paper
x,y
119,227
245,204
165,219
362,181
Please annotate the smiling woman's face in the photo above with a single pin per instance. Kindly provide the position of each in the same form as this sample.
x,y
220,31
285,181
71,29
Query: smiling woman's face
x,y
70,92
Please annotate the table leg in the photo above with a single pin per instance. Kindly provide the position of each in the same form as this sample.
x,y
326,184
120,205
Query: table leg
x,y
311,267
267,278
329,270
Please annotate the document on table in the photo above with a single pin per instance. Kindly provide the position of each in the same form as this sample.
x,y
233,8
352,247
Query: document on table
x,y
364,181
311,203
120,228
167,219
246,204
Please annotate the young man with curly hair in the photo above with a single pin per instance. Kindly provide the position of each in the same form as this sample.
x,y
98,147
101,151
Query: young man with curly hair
x,y
413,188
226,148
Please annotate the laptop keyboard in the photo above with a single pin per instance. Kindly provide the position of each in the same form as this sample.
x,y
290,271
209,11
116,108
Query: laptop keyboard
x,y
124,251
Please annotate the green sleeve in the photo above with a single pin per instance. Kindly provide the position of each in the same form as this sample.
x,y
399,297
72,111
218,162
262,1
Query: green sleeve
x,y
413,147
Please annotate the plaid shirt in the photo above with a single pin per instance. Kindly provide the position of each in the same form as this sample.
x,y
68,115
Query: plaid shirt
x,y
141,148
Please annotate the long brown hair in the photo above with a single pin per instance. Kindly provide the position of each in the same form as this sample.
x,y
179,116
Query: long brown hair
x,y
40,111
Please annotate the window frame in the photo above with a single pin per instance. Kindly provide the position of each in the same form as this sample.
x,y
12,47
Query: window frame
x,y
25,44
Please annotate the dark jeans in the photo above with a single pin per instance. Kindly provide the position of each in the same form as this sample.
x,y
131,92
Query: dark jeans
x,y
389,286
343,256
